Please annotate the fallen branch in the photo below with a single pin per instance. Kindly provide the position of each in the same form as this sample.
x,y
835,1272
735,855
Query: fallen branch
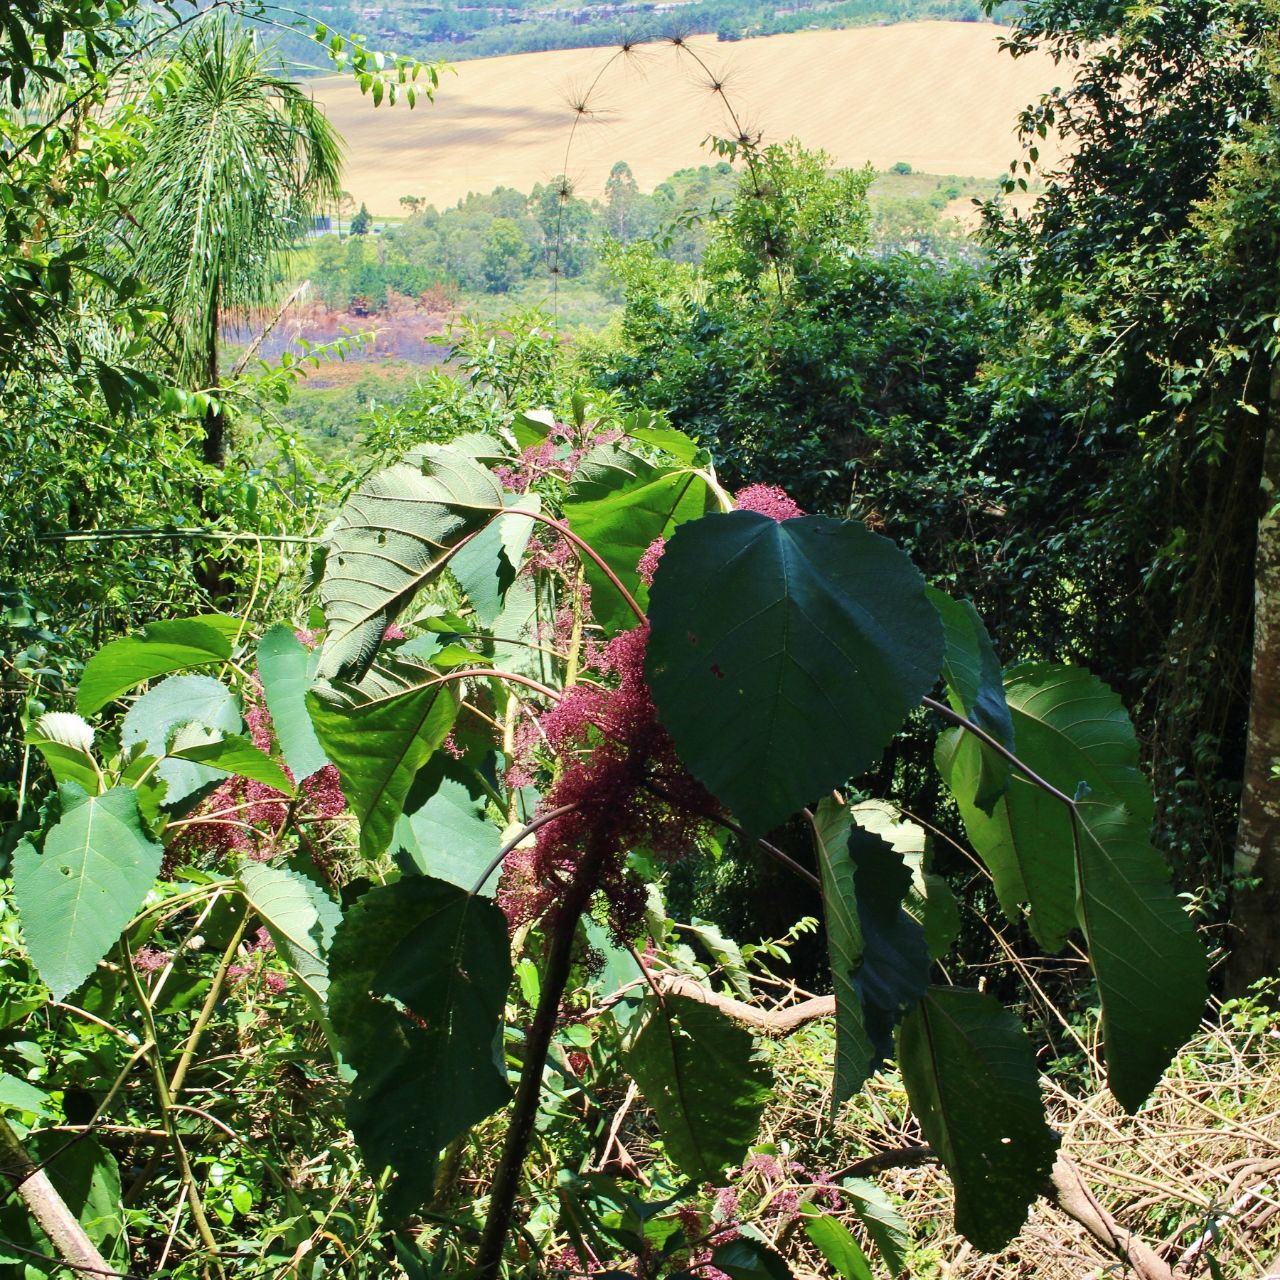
x,y
1067,1190
1073,1197
48,1208
769,1022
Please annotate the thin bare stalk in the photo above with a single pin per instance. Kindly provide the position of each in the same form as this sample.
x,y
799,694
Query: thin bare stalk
x,y
555,977
165,1103
536,825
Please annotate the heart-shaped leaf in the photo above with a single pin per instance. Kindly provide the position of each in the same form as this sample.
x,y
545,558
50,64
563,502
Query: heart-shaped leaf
x,y
784,656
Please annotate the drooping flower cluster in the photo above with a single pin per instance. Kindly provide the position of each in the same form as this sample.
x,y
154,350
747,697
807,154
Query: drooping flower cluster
x,y
243,815
620,783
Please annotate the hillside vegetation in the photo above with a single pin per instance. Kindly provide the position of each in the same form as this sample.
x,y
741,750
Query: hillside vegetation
x,y
781,783
938,96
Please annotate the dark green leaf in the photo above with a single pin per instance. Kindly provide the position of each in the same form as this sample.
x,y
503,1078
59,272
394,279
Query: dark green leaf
x,y
700,1073
970,1074
392,538
379,735
286,667
1150,965
420,974
724,951
895,958
784,656
161,647
1073,730
77,894
975,687
87,1178
619,503
930,900
747,1259
854,1050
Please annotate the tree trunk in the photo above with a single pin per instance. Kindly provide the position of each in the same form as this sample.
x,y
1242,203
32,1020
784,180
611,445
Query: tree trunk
x,y
210,567
215,422
1255,918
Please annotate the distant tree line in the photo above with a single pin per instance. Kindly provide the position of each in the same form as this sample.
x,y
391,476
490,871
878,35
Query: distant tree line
x,y
456,32
492,243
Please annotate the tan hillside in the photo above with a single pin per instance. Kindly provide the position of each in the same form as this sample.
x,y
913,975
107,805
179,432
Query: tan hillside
x,y
938,95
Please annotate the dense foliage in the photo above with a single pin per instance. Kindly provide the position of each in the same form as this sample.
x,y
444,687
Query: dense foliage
x,y
415,858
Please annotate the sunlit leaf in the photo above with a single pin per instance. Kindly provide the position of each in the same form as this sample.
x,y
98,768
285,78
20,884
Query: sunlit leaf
x,y
78,892
970,1073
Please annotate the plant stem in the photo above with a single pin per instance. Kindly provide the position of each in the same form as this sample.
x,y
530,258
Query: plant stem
x,y
165,1103
555,977
536,825
565,532
941,708
179,1076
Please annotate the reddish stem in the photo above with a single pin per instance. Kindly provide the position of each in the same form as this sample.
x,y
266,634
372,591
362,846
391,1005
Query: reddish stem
x,y
565,532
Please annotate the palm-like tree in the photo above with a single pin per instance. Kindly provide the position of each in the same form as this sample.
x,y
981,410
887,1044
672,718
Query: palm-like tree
x,y
239,161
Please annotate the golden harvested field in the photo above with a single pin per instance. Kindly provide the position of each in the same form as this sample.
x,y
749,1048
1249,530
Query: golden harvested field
x,y
938,95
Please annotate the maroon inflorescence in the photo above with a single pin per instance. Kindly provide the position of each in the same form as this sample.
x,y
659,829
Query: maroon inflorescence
x,y
242,811
623,782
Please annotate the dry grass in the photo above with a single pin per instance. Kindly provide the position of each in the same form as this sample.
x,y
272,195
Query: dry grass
x,y
1196,1173
938,95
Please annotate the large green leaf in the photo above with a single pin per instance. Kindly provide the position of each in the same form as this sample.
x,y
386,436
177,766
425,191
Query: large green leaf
x,y
87,1177
379,734
784,656
181,712
76,895
487,565
286,668
854,1050
1103,875
970,1073
420,972
618,504
879,957
930,900
895,956
66,743
836,1244
749,1259
975,687
161,647
445,829
1150,965
700,1073
393,537
884,1224
301,919
237,755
